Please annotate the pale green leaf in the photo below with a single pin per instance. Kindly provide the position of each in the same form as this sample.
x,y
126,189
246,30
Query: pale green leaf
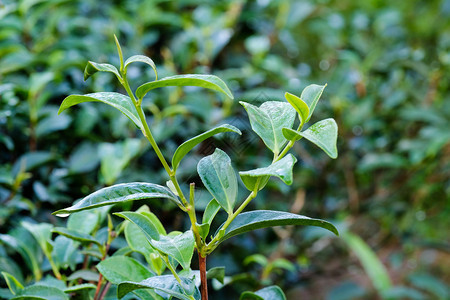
x,y
165,283
180,247
257,219
41,292
116,100
205,81
143,59
76,235
93,67
80,287
117,269
323,134
268,121
120,193
300,106
13,284
219,178
269,293
187,146
210,212
311,95
281,169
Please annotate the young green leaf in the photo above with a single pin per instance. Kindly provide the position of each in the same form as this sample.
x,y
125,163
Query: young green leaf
x,y
144,223
119,51
323,134
180,247
93,67
210,212
269,119
216,273
43,292
311,95
219,178
122,268
120,193
187,146
79,287
203,230
76,235
300,106
116,100
205,81
281,169
13,284
257,219
269,293
143,59
165,283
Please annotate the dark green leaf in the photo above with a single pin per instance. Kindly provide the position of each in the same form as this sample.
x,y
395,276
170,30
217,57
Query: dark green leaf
x,y
269,293
166,284
281,169
143,59
187,146
93,67
323,134
41,292
300,106
216,273
311,95
120,193
180,247
206,81
117,269
219,178
268,121
257,219
116,100
86,275
76,235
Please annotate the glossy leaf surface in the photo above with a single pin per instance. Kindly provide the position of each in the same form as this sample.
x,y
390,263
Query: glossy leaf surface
x,y
205,81
141,58
120,193
257,219
116,100
93,67
281,169
180,247
300,106
269,293
268,121
323,134
311,95
219,178
144,223
165,283
187,146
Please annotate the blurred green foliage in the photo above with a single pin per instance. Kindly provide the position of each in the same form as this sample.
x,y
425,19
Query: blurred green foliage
x,y
386,64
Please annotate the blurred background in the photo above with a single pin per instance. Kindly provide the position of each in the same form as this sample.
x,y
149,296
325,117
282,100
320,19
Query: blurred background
x,y
386,64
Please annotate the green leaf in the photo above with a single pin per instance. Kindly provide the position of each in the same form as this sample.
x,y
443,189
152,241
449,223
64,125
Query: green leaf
x,y
117,269
13,284
203,230
144,223
42,232
84,221
41,292
210,212
206,81
372,265
143,59
76,235
311,95
216,273
323,134
165,283
120,193
219,178
180,247
268,121
281,169
257,219
93,67
300,106
269,293
80,287
116,100
86,275
187,146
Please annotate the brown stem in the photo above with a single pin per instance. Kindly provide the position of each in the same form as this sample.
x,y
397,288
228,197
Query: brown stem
x,y
204,285
105,291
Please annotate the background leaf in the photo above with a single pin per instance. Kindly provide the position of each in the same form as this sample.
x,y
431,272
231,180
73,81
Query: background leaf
x,y
180,247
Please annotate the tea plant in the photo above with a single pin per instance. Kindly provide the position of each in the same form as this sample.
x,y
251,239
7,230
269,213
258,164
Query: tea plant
x,y
273,122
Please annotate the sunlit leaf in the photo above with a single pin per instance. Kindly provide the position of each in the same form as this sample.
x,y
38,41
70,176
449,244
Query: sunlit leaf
x,y
311,95
117,269
180,247
300,106
93,67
